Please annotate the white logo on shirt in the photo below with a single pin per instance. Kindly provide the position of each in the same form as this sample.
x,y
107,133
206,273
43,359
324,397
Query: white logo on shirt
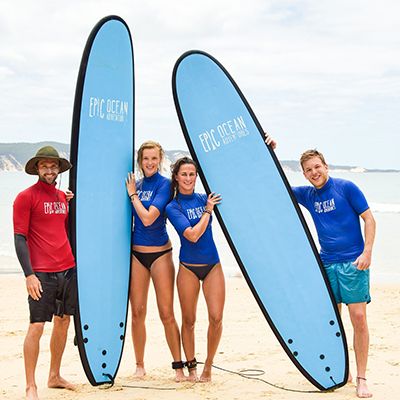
x,y
54,207
194,213
324,206
145,195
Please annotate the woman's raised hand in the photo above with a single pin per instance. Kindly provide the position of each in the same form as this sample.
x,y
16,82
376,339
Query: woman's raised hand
x,y
212,200
130,182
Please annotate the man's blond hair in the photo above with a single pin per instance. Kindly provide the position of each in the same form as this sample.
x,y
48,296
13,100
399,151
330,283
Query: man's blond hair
x,y
307,155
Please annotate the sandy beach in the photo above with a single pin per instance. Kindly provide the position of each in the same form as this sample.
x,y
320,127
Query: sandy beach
x,y
247,343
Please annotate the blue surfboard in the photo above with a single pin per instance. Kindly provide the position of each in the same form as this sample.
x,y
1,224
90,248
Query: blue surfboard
x,y
261,218
102,149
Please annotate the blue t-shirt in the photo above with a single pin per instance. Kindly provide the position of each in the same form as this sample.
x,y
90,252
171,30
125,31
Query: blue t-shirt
x,y
152,191
185,211
335,209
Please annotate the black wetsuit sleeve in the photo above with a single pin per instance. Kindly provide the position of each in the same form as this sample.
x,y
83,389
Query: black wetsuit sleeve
x,y
21,247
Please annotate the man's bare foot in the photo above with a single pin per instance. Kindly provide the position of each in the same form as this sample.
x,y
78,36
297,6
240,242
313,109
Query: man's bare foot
x,y
206,374
350,378
31,393
362,388
57,382
140,371
180,376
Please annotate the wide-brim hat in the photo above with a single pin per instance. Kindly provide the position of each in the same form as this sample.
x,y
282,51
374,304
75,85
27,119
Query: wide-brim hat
x,y
46,152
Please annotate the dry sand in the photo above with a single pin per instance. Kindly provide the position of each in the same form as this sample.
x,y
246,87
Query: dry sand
x,y
247,343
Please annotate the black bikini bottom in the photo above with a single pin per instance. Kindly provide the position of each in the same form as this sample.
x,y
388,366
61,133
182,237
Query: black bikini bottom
x,y
147,259
200,271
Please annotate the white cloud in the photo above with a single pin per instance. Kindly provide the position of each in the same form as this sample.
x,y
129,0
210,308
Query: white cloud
x,y
306,67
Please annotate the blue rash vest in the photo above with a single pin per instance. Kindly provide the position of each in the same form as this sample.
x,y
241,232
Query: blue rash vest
x,y
335,209
152,191
185,211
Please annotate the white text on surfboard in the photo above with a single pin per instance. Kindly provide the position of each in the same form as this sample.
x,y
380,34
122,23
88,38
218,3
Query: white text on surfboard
x,y
109,109
223,134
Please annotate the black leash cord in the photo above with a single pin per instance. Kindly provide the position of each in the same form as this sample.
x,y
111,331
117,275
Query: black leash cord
x,y
244,373
255,373
147,387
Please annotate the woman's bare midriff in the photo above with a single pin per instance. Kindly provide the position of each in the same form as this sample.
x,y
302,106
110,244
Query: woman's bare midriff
x,y
152,249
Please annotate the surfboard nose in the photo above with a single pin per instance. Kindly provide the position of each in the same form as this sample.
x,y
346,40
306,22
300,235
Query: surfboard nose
x,y
260,219
101,219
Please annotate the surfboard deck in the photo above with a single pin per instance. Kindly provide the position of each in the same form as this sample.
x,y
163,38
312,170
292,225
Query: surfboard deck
x,y
102,149
260,218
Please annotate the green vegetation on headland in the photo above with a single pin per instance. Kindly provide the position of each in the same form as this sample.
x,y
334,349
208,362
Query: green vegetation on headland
x,y
13,157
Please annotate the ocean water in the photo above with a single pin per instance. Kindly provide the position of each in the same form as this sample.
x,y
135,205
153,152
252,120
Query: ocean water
x,y
382,191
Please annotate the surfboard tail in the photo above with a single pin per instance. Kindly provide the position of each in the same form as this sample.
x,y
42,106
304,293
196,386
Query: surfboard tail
x,y
265,229
102,149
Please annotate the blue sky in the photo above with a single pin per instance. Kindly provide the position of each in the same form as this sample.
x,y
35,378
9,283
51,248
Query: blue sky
x,y
318,74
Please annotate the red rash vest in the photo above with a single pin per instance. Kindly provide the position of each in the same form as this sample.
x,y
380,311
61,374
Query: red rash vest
x,y
41,215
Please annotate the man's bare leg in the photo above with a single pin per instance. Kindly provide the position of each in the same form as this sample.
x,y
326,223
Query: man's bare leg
x,y
31,354
57,346
350,377
358,316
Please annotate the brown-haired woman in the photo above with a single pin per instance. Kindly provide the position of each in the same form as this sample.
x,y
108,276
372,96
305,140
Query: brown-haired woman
x,y
152,255
190,214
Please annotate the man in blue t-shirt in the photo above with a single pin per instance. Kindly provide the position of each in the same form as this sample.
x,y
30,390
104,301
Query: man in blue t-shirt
x,y
336,206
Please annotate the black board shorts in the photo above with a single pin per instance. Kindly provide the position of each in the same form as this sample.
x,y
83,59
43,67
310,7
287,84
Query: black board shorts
x,y
59,296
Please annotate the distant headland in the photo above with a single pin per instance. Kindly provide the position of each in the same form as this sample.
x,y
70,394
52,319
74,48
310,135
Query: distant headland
x,y
13,157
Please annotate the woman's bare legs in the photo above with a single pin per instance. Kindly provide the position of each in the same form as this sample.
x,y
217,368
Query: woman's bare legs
x,y
214,293
140,281
188,289
163,275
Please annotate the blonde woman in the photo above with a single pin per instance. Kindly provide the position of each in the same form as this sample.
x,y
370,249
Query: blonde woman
x,y
152,255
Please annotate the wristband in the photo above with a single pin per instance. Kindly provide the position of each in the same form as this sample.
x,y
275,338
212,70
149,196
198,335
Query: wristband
x,y
207,211
133,194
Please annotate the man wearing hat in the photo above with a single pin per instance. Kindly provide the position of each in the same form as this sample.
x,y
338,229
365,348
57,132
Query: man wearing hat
x,y
44,252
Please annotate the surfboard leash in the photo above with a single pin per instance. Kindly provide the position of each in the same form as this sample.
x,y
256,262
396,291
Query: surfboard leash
x,y
112,381
255,375
148,387
250,373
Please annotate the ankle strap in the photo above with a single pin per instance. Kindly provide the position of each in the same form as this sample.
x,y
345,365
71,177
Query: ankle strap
x,y
360,377
178,365
191,364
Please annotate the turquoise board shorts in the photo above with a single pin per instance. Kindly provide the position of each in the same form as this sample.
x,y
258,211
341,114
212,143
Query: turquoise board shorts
x,y
349,284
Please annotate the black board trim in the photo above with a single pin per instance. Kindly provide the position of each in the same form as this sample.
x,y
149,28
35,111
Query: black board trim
x,y
226,233
72,185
